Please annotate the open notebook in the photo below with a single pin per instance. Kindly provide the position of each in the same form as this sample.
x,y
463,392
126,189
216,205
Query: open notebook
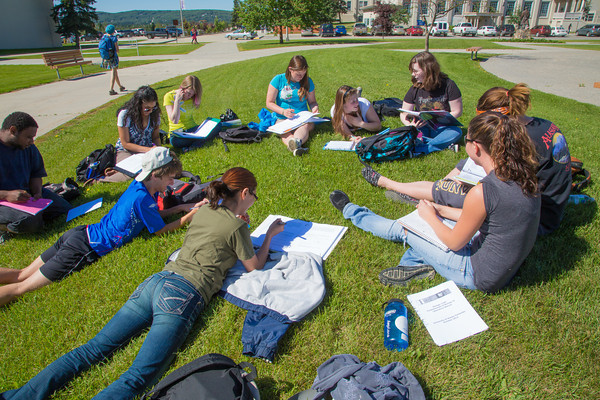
x,y
417,225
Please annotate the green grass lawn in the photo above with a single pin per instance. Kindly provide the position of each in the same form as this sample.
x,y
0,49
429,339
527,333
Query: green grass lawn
x,y
543,338
15,77
412,43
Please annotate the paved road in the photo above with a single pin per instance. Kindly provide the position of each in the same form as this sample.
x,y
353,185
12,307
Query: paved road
x,y
565,72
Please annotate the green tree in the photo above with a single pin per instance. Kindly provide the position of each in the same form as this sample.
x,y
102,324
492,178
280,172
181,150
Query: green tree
x,y
401,16
431,10
218,25
235,15
73,17
270,13
384,12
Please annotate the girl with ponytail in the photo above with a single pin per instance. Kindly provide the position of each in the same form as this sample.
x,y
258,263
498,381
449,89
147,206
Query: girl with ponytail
x,y
496,228
169,301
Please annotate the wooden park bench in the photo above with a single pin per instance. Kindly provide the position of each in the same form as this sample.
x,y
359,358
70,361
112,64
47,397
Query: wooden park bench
x,y
64,58
474,50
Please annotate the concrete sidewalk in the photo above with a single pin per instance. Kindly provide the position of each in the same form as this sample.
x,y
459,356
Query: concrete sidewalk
x,y
564,72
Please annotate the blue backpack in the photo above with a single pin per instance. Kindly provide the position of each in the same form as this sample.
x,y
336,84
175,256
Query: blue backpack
x,y
106,48
396,144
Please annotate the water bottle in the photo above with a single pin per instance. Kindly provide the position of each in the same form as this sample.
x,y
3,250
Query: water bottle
x,y
395,325
580,199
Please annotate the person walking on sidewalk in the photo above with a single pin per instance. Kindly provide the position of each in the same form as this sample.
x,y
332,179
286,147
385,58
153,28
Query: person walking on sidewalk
x,y
109,51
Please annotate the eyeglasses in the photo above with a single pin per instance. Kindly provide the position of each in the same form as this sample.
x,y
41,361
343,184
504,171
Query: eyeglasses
x,y
253,194
146,109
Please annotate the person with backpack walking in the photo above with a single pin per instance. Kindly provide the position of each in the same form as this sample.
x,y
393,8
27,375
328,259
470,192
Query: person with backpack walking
x,y
109,52
138,123
431,90
496,228
169,301
351,112
288,94
135,210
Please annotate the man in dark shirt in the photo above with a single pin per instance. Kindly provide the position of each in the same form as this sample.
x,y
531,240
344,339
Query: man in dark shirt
x,y
21,173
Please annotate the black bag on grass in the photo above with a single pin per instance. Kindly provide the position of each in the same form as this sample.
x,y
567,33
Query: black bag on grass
x,y
396,144
68,190
387,107
581,176
182,192
95,165
212,376
243,134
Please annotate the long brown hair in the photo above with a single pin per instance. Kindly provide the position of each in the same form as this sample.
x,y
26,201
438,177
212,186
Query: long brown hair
x,y
299,63
342,94
509,145
433,73
515,101
233,180
193,82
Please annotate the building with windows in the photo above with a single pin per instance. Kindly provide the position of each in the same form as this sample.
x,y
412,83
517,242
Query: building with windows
x,y
573,13
26,24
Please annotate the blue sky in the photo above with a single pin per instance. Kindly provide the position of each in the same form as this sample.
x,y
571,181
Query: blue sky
x,y
127,5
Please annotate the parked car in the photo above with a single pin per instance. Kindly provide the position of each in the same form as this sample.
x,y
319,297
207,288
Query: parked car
x,y
540,30
307,31
558,31
589,30
506,30
326,30
414,31
398,30
173,31
158,32
487,31
439,28
359,29
90,36
139,31
377,30
126,32
241,34
340,30
464,29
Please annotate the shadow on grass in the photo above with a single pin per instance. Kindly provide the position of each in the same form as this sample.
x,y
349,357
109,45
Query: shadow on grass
x,y
76,78
559,251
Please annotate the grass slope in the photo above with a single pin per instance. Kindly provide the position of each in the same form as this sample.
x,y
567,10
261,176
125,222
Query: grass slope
x,y
543,341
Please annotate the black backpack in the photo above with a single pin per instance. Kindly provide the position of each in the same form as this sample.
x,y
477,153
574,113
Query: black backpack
x,y
95,165
210,377
581,176
182,192
243,134
396,144
387,107
68,190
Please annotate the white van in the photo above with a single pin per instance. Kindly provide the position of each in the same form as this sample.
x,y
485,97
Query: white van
x,y
439,28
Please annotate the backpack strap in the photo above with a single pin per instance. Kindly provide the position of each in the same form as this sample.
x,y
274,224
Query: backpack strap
x,y
214,360
195,179
248,376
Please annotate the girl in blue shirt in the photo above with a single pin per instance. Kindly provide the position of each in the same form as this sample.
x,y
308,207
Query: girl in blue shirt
x,y
290,93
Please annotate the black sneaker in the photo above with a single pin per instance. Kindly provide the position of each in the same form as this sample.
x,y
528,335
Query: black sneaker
x,y
371,175
339,199
5,237
300,151
401,198
400,275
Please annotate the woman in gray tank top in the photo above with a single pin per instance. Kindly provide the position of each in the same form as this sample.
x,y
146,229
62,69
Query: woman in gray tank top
x,y
496,228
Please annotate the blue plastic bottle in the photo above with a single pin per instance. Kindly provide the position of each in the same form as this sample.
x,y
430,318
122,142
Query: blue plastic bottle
x,y
395,325
580,199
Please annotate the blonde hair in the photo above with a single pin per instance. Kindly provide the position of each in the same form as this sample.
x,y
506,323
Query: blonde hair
x,y
342,94
515,101
193,82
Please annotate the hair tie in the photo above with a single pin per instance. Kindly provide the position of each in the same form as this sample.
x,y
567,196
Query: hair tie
x,y
507,93
501,110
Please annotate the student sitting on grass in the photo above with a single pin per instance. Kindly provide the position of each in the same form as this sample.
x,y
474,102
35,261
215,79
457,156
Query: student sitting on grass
x,y
180,105
504,208
169,301
431,90
81,246
351,112
290,93
138,123
554,162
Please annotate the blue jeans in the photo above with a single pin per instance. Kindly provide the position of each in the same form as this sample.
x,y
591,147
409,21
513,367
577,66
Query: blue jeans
x,y
21,222
437,139
452,265
166,302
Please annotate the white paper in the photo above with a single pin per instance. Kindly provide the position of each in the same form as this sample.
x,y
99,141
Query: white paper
x,y
342,145
301,236
417,225
202,131
446,313
132,165
471,173
298,120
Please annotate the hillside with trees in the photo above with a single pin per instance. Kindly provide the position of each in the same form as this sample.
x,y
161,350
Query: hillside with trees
x,y
141,18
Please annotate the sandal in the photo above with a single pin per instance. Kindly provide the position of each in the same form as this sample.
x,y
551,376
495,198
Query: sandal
x,y
371,175
112,92
122,88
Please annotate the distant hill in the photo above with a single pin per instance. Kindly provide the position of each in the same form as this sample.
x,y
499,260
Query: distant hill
x,y
140,18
